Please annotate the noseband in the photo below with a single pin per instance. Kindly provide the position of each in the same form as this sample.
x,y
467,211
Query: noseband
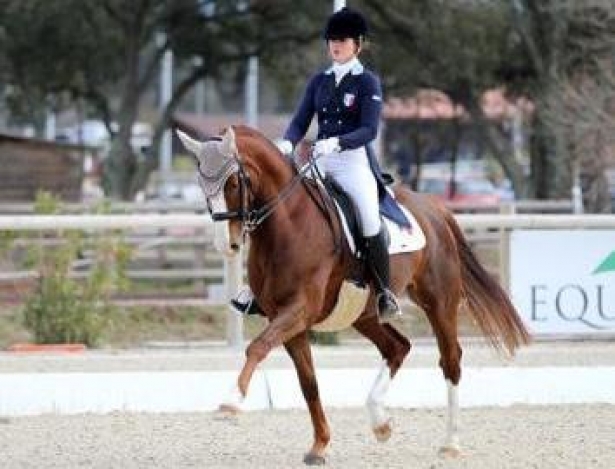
x,y
248,217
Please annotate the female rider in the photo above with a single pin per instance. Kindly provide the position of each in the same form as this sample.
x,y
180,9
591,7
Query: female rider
x,y
347,99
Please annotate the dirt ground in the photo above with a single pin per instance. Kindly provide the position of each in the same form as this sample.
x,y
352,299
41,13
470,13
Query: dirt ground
x,y
518,437
558,436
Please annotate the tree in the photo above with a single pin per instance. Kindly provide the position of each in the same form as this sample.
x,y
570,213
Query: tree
x,y
457,47
585,119
568,49
47,56
557,53
105,53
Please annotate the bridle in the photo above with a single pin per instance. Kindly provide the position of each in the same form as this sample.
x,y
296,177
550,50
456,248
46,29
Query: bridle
x,y
250,217
244,214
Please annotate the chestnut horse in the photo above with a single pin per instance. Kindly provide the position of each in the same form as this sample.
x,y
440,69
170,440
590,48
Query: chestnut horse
x,y
296,265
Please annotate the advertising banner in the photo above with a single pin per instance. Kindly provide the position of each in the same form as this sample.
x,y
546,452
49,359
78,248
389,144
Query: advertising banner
x,y
563,282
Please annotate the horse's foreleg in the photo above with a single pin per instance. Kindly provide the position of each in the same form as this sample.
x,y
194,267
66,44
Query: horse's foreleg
x,y
393,347
380,421
299,349
278,331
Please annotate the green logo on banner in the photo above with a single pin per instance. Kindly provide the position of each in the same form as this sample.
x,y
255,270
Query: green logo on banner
x,y
607,265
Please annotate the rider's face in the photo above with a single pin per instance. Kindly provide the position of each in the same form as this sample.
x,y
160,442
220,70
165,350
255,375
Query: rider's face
x,y
342,50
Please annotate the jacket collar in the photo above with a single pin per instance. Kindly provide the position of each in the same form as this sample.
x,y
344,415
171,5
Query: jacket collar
x,y
356,69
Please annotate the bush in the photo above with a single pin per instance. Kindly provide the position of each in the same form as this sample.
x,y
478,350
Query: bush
x,y
324,338
63,307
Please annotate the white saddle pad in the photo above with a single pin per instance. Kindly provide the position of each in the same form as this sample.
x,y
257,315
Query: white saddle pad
x,y
350,304
403,239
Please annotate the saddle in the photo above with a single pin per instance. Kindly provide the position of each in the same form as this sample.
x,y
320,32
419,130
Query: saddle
x,y
353,293
389,209
343,201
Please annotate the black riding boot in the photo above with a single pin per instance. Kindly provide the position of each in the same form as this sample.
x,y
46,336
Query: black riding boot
x,y
377,256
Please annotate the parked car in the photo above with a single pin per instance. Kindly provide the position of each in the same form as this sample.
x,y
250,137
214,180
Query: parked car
x,y
468,191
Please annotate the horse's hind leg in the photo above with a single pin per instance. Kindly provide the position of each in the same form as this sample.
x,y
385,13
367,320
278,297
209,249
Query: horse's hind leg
x,y
299,350
393,347
442,314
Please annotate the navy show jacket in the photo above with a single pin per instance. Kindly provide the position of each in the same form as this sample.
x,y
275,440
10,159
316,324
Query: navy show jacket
x,y
349,111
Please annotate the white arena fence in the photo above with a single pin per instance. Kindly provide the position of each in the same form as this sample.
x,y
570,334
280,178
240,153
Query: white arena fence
x,y
498,226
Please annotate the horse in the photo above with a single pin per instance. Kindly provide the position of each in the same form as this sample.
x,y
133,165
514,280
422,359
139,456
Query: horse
x,y
296,266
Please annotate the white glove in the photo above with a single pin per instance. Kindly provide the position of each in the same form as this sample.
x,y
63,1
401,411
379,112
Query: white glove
x,y
285,146
326,146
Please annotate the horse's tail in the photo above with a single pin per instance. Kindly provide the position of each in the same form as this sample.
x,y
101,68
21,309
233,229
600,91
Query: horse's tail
x,y
487,301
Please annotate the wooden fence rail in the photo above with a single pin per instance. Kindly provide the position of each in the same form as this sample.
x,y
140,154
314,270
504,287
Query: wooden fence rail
x,y
498,225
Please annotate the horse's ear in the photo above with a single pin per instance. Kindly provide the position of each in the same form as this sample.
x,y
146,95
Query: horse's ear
x,y
229,147
191,144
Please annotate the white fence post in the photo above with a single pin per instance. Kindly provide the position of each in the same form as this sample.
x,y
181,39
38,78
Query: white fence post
x,y
233,279
234,266
505,209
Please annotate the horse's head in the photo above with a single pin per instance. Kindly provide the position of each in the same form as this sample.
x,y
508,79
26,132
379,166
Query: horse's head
x,y
219,169
232,183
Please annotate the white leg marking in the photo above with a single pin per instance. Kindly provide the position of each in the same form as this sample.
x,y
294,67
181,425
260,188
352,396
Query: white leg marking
x,y
452,425
233,401
375,400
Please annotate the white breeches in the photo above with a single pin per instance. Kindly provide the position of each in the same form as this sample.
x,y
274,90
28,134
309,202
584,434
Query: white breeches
x,y
350,169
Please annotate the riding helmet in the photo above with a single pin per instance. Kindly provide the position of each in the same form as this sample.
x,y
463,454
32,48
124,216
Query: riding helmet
x,y
344,24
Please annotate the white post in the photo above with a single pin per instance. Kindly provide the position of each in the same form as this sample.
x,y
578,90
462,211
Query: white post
x,y
50,125
505,209
252,92
50,119
166,92
576,192
233,276
517,134
233,266
199,95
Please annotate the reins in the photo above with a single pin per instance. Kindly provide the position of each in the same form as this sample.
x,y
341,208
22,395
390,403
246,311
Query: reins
x,y
252,218
326,203
256,216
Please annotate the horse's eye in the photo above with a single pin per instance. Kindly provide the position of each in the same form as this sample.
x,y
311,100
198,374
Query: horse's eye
x,y
233,183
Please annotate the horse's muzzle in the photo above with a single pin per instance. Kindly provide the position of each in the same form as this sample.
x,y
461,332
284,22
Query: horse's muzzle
x,y
235,236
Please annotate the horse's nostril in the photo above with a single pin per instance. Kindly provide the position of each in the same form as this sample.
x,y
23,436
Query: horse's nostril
x,y
235,247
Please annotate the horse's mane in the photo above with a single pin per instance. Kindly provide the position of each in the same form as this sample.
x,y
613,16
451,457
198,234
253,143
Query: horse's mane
x,y
244,131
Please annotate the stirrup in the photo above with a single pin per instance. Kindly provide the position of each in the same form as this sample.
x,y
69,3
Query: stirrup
x,y
388,307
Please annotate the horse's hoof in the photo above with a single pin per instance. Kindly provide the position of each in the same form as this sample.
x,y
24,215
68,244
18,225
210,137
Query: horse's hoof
x,y
229,409
383,432
450,451
312,459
